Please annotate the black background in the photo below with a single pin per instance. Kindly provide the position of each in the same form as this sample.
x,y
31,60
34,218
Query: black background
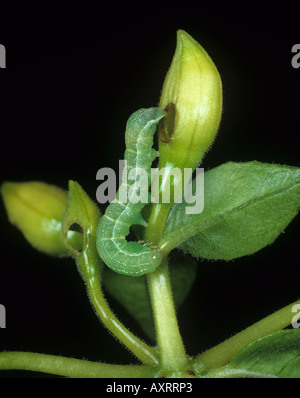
x,y
73,78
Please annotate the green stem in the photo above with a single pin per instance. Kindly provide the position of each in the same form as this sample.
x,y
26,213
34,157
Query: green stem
x,y
68,367
223,352
156,223
82,211
171,348
141,350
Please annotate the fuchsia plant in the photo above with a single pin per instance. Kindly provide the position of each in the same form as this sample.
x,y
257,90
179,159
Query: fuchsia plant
x,y
246,206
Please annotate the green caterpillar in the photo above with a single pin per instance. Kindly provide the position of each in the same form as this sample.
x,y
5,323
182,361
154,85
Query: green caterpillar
x,y
131,258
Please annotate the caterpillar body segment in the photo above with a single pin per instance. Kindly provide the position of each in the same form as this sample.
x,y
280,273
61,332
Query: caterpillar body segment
x,y
131,258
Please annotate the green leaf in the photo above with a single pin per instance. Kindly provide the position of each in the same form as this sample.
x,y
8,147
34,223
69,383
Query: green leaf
x,y
246,206
132,293
83,214
277,354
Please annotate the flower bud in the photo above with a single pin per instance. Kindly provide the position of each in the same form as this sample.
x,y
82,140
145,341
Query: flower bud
x,y
37,209
192,98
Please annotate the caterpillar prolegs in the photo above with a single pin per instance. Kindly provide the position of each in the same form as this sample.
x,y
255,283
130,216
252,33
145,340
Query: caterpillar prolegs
x,y
131,258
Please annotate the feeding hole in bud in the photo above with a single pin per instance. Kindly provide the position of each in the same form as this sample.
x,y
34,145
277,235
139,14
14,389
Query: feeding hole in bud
x,y
74,238
166,124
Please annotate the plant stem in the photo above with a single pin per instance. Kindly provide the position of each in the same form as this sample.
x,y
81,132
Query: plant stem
x,y
82,211
223,352
140,349
68,367
171,348
156,224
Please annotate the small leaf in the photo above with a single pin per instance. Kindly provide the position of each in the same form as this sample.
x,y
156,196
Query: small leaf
x,y
82,212
132,293
277,354
246,206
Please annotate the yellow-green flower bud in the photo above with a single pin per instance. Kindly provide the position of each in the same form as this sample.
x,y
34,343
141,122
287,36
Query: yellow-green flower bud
x,y
192,96
37,209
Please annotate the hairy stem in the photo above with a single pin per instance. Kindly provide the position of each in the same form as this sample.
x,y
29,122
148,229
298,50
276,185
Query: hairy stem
x,y
82,211
223,352
156,224
171,348
68,367
141,350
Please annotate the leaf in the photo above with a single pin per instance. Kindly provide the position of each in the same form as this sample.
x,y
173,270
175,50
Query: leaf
x,y
83,214
246,206
132,292
277,354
